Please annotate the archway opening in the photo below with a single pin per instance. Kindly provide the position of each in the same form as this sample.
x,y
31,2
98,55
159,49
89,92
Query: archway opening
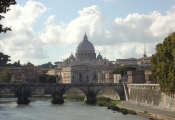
x,y
108,93
40,92
73,94
6,93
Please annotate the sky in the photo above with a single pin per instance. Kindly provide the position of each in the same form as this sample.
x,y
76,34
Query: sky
x,y
49,31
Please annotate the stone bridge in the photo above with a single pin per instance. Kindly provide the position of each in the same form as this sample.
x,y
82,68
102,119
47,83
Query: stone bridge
x,y
24,90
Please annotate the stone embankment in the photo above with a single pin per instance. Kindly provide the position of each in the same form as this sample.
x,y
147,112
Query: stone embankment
x,y
148,100
152,112
150,94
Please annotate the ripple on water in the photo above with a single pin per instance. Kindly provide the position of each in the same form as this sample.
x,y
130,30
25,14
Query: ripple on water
x,y
44,110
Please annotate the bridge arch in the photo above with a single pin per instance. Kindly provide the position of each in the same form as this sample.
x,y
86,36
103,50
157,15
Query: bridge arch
x,y
41,90
75,87
6,91
110,88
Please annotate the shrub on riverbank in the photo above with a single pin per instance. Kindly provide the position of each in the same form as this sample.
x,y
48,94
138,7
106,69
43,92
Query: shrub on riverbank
x,y
112,104
102,101
77,97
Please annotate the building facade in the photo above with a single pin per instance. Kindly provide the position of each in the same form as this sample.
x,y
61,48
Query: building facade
x,y
117,78
126,62
148,77
136,76
84,66
31,72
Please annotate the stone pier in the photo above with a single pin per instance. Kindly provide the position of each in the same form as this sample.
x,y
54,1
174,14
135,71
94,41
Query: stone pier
x,y
57,98
23,95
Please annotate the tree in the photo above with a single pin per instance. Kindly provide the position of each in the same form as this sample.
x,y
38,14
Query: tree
x,y
163,65
5,7
4,59
123,70
47,78
5,76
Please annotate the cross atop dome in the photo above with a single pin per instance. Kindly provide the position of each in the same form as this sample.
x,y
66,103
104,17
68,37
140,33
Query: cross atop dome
x,y
85,37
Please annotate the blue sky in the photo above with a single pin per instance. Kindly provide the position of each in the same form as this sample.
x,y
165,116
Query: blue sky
x,y
46,31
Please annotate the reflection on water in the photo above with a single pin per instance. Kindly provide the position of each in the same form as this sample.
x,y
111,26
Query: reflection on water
x,y
42,109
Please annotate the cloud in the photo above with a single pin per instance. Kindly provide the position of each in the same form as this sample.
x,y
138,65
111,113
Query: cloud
x,y
124,39
139,28
90,20
22,42
50,19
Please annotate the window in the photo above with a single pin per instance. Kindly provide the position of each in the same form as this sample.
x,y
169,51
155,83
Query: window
x,y
80,76
94,76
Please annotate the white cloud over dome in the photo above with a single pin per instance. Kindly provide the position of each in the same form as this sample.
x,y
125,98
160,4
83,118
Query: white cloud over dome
x,y
90,20
124,39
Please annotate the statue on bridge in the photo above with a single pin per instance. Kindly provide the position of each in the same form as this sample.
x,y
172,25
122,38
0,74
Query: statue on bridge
x,y
12,78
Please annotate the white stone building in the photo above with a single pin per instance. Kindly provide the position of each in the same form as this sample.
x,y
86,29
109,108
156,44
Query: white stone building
x,y
84,66
117,78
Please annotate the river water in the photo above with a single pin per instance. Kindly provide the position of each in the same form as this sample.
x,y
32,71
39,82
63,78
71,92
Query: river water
x,y
42,109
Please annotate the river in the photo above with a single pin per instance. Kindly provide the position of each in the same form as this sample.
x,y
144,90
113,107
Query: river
x,y
42,109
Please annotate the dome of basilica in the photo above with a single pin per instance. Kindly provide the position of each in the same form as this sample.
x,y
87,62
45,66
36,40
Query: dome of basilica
x,y
71,56
99,57
85,46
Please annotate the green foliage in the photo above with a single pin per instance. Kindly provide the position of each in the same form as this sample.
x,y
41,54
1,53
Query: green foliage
x,y
112,104
46,65
4,59
5,76
45,78
163,65
123,70
102,101
5,7
123,111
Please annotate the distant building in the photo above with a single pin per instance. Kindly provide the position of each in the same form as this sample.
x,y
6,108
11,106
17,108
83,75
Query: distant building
x,y
101,77
84,66
17,72
109,77
144,61
31,72
136,76
55,72
126,62
117,78
77,74
148,77
105,77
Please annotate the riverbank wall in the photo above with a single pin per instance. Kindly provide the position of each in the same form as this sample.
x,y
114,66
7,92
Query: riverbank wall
x,y
149,94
